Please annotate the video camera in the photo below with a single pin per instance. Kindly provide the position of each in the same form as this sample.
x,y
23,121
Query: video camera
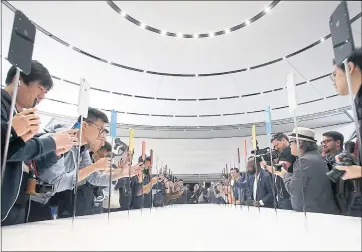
x,y
264,153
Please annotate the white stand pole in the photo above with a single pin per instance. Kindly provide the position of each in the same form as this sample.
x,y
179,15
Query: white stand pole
x,y
110,183
273,176
77,169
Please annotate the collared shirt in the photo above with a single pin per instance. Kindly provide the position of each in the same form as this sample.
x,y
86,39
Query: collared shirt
x,y
255,187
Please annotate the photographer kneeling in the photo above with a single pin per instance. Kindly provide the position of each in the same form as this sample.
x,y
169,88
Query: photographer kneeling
x,y
309,180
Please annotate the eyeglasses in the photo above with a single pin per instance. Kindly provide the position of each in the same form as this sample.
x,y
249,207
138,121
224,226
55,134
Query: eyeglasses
x,y
326,141
102,131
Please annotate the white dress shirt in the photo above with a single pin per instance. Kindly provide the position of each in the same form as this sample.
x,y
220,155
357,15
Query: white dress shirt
x,y
255,188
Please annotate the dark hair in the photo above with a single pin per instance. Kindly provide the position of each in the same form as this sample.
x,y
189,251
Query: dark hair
x,y
307,146
355,58
181,180
94,115
235,169
279,136
335,135
106,147
37,73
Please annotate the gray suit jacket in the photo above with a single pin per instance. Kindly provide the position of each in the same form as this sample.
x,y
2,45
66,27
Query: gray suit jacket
x,y
316,185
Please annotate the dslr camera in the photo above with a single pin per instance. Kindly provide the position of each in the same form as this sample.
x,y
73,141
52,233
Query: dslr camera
x,y
278,167
345,159
35,187
264,153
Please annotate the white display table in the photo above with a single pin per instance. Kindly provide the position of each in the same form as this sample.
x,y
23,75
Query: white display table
x,y
190,227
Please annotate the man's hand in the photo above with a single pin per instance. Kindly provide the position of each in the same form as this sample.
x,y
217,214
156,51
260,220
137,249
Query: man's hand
x,y
249,202
128,171
31,133
103,164
270,169
256,204
351,172
25,122
62,151
65,139
281,173
263,164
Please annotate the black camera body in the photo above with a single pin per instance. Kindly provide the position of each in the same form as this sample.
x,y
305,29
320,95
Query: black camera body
x,y
43,187
264,153
278,167
345,159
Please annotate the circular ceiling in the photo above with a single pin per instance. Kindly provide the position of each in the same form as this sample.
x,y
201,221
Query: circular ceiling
x,y
209,34
163,81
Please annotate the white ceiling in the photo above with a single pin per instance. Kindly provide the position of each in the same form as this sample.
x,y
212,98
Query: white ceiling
x,y
97,29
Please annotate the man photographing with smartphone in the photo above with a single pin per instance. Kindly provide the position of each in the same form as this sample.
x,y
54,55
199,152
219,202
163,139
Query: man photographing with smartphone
x,y
23,146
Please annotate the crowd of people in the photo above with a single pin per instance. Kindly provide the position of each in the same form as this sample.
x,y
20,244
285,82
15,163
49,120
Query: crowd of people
x,y
41,170
299,178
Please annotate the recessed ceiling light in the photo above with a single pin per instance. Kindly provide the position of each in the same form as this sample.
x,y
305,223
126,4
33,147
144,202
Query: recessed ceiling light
x,y
163,32
247,69
247,22
227,30
123,13
211,34
198,127
179,35
284,58
143,25
267,9
322,39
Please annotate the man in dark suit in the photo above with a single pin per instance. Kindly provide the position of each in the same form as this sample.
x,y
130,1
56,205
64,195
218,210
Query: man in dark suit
x,y
259,190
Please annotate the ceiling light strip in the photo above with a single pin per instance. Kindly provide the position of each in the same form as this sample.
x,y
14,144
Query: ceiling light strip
x,y
162,32
7,4
308,117
191,99
194,116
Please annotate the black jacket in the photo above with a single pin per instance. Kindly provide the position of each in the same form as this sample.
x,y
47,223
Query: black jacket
x,y
358,103
18,152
